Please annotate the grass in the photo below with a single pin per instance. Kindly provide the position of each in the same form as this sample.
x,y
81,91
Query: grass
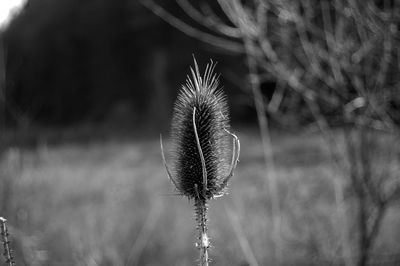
x,y
110,202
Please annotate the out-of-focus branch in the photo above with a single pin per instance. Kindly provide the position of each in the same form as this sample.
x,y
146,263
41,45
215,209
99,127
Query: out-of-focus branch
x,y
243,241
241,18
331,42
267,149
219,42
227,29
386,59
208,21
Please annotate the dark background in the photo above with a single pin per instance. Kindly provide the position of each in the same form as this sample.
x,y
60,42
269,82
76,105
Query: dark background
x,y
77,61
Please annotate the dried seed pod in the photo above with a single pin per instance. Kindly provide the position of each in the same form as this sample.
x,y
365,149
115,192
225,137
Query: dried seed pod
x,y
200,136
199,132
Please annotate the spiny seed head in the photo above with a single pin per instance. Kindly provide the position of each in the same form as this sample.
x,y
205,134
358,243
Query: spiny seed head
x,y
199,134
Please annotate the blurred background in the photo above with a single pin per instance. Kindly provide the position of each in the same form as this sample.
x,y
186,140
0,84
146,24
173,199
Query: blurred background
x,y
87,86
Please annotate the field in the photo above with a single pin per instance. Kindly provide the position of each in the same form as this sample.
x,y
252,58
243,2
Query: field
x,y
109,202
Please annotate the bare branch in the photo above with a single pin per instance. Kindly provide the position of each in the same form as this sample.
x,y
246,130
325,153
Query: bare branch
x,y
219,42
208,21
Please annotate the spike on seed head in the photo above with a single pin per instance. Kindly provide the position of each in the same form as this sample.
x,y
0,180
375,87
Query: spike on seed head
x,y
199,132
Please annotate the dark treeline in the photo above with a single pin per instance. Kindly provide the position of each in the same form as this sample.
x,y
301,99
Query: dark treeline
x,y
72,61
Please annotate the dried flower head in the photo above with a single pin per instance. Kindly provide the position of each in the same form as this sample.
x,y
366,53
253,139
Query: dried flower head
x,y
200,135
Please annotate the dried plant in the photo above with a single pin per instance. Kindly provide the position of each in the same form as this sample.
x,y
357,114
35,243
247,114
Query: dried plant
x,y
335,62
6,243
200,132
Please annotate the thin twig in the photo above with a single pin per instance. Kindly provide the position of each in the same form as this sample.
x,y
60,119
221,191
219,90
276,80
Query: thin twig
x,y
207,20
268,151
144,234
241,236
220,42
6,242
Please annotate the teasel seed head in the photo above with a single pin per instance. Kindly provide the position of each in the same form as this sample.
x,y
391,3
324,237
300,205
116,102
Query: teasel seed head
x,y
200,136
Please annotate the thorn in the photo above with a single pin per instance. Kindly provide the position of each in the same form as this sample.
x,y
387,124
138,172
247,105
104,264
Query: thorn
x,y
197,76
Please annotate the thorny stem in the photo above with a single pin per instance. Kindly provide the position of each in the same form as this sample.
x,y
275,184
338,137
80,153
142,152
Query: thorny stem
x,y
4,236
203,242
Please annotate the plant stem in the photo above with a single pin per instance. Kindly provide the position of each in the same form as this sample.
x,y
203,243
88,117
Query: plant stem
x,y
203,242
6,242
2,81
